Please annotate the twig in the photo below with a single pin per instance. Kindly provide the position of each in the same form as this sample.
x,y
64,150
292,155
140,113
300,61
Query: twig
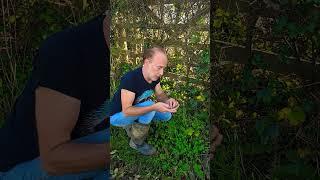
x,y
58,3
307,85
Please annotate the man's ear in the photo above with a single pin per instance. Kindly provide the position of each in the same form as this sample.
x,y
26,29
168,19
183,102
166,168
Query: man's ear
x,y
146,61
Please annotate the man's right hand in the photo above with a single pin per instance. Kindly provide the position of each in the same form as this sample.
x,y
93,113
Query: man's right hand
x,y
163,107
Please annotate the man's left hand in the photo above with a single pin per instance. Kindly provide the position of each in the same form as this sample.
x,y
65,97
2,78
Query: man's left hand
x,y
173,104
215,140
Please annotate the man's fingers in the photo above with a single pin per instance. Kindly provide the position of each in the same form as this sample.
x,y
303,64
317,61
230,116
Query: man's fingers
x,y
217,141
166,106
171,104
175,104
216,137
215,132
173,110
167,109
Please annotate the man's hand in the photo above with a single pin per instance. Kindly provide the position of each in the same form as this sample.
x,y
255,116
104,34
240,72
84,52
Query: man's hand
x,y
173,104
215,140
163,107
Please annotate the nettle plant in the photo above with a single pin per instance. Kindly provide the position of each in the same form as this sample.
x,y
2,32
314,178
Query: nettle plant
x,y
262,94
266,110
268,119
182,141
230,26
298,26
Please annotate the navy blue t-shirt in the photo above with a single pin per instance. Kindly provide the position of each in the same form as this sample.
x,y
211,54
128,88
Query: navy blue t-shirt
x,y
133,81
74,62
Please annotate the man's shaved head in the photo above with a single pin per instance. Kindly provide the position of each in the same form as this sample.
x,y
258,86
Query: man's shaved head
x,y
150,52
154,62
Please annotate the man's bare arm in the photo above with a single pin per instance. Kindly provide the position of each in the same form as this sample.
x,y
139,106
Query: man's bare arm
x,y
56,116
160,95
127,98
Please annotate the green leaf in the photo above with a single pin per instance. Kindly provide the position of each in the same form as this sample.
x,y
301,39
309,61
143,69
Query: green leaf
x,y
280,24
231,105
260,126
189,131
292,101
293,30
272,131
217,23
198,170
184,167
283,113
239,114
84,4
308,106
296,170
12,19
219,12
195,38
296,116
264,95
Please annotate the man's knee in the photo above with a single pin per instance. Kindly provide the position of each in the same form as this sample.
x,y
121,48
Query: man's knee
x,y
167,116
146,118
120,120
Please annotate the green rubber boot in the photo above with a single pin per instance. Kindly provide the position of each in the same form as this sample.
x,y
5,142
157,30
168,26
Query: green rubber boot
x,y
138,134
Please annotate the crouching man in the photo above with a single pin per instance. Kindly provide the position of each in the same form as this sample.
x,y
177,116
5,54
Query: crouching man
x,y
131,106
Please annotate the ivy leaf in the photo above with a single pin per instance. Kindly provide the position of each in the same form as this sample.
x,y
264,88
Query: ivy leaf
x,y
217,23
200,98
272,131
239,114
283,113
231,105
12,19
280,24
254,115
293,30
195,38
296,116
292,101
260,126
219,12
308,106
264,95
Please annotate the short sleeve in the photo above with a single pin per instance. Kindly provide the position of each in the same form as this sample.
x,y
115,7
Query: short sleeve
x,y
60,70
127,82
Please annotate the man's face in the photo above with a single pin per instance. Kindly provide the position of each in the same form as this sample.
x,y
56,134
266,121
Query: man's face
x,y
156,65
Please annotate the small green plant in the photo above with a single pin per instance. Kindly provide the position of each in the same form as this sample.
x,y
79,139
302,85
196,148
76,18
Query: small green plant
x,y
182,142
264,112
